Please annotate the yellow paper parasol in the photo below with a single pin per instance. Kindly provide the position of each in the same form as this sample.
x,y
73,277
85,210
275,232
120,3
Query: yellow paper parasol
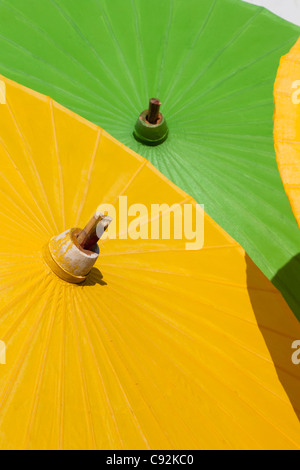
x,y
287,125
161,347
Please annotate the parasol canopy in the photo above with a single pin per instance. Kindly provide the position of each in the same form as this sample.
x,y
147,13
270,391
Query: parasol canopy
x,y
161,347
214,78
287,125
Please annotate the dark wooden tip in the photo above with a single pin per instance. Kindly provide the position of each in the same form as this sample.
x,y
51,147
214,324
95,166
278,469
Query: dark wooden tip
x,y
88,238
153,113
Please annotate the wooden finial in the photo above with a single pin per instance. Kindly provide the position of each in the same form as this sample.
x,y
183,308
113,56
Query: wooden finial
x,y
153,113
88,237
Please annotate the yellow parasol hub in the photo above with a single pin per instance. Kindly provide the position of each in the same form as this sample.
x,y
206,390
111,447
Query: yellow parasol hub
x,y
72,254
287,125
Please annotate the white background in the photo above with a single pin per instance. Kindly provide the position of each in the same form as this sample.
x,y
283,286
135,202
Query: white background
x,y
287,9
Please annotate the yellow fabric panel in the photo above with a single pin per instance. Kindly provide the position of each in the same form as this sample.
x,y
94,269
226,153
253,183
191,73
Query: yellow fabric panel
x,y
161,348
287,125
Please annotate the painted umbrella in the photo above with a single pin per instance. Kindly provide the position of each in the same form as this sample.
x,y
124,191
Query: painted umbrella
x,y
287,125
286,137
212,65
157,346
